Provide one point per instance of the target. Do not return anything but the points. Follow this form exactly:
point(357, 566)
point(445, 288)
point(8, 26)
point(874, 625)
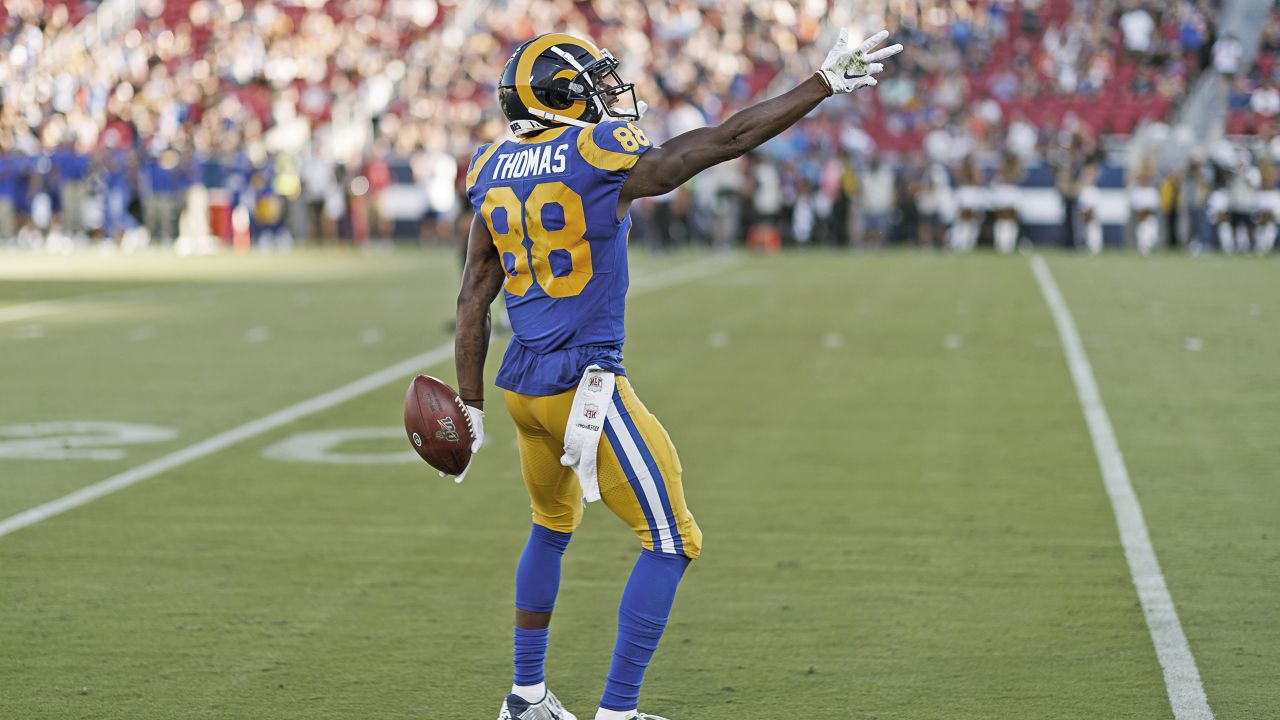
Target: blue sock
point(531, 652)
point(642, 617)
point(537, 582)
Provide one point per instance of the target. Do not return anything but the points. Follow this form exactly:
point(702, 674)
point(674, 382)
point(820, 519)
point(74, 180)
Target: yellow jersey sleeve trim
point(603, 158)
point(474, 173)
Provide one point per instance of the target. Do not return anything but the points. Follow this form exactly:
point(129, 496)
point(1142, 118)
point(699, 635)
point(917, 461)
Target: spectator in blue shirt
point(163, 182)
point(13, 187)
point(69, 188)
point(119, 176)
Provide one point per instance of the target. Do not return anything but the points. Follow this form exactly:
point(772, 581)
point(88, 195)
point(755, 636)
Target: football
point(437, 425)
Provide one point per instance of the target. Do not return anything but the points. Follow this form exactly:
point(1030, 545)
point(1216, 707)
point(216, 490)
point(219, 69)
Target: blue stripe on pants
point(633, 481)
point(656, 473)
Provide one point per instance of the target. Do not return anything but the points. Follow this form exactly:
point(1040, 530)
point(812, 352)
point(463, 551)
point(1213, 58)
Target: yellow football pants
point(638, 470)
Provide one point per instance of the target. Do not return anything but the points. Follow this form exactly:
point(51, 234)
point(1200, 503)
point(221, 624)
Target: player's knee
point(560, 519)
point(687, 543)
point(692, 537)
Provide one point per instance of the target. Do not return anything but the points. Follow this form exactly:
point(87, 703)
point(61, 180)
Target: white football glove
point(848, 68)
point(475, 421)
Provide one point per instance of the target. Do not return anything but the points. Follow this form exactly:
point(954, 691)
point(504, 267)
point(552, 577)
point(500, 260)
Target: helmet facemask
point(615, 98)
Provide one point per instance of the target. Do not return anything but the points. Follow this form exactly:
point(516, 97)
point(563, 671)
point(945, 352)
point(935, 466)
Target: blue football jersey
point(550, 202)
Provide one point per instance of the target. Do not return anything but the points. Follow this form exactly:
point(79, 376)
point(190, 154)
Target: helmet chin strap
point(557, 118)
point(528, 126)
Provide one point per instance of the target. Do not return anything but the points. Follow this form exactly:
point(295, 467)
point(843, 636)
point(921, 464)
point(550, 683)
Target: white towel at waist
point(591, 402)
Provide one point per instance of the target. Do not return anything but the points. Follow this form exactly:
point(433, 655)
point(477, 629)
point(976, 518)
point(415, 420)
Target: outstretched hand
point(848, 68)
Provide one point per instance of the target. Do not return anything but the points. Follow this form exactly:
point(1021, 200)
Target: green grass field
point(903, 511)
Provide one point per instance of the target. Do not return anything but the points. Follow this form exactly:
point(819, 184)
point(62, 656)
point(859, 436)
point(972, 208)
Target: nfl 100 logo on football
point(448, 431)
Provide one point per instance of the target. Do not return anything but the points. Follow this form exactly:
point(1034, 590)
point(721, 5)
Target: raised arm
point(665, 168)
point(481, 280)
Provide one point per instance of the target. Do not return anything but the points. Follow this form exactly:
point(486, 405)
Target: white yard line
point(226, 439)
point(683, 273)
point(1181, 678)
point(26, 311)
point(293, 413)
point(41, 308)
point(165, 291)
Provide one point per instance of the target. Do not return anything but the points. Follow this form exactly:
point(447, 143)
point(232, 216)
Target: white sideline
point(1181, 678)
point(293, 413)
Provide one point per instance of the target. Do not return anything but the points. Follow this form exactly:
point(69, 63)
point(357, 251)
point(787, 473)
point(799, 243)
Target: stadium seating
point(250, 84)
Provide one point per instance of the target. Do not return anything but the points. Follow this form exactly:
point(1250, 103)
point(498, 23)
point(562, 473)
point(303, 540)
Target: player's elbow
point(471, 308)
point(472, 321)
point(738, 141)
point(736, 151)
point(740, 144)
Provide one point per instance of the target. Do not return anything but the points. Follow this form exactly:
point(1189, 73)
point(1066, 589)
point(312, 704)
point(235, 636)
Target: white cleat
point(517, 708)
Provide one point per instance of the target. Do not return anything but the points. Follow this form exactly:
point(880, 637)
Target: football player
point(1004, 201)
point(1268, 206)
point(550, 231)
point(971, 198)
point(1088, 204)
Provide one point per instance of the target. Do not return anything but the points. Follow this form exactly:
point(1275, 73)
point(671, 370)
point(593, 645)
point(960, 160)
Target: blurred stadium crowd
point(259, 122)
